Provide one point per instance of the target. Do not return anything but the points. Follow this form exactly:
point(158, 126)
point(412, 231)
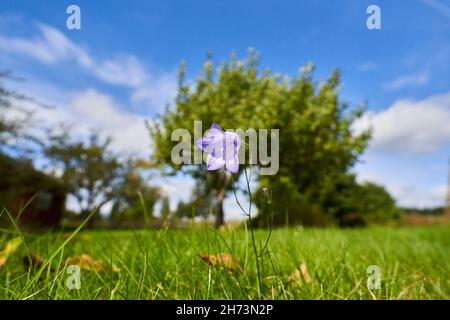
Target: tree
point(235, 97)
point(199, 205)
point(20, 182)
point(11, 128)
point(374, 204)
point(92, 173)
point(317, 145)
point(135, 198)
point(317, 150)
point(183, 210)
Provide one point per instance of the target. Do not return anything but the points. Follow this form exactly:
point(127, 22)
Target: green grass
point(164, 264)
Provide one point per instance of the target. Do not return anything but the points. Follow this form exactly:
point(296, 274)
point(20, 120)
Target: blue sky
point(125, 57)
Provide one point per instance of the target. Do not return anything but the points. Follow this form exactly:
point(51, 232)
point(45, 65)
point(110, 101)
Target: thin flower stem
point(269, 202)
point(237, 200)
point(252, 232)
point(270, 232)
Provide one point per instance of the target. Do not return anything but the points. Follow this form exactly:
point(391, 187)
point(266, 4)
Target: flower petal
point(213, 163)
point(233, 139)
point(211, 142)
point(222, 148)
point(216, 129)
point(203, 143)
point(232, 165)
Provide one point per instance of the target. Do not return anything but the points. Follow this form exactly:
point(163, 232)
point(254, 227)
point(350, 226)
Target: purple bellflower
point(222, 148)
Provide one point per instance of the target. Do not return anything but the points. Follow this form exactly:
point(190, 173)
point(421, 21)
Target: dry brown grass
point(414, 219)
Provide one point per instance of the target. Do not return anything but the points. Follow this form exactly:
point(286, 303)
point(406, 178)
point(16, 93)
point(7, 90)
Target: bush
point(340, 201)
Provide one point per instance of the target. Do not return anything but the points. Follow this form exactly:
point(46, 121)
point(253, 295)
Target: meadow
point(186, 264)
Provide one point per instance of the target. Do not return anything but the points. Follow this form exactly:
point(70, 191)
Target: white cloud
point(410, 126)
point(51, 46)
point(438, 7)
point(124, 70)
point(367, 66)
point(413, 196)
point(409, 188)
point(407, 153)
point(177, 188)
point(91, 110)
point(409, 80)
point(96, 110)
point(157, 92)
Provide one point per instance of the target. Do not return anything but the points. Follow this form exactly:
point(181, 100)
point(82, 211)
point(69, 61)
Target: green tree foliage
point(345, 203)
point(317, 149)
point(183, 210)
point(374, 204)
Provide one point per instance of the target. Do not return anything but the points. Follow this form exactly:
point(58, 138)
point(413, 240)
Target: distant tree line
point(86, 169)
point(425, 211)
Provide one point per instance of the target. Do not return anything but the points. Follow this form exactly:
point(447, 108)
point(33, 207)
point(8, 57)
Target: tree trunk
point(221, 183)
point(219, 213)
